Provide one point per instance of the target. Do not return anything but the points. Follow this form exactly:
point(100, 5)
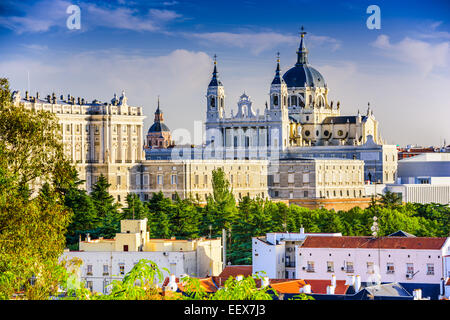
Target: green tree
point(135, 208)
point(159, 211)
point(33, 218)
point(220, 210)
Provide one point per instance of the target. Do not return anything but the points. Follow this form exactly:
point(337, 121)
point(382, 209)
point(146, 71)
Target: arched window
point(275, 100)
point(213, 102)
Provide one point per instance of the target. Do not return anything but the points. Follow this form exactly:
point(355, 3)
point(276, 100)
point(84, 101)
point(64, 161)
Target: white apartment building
point(414, 262)
point(105, 260)
point(274, 254)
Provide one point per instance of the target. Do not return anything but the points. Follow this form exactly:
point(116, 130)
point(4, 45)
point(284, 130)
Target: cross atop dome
point(302, 53)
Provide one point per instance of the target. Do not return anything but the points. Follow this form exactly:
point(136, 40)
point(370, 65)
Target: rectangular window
point(430, 268)
point(349, 267)
point(118, 180)
point(105, 270)
point(330, 266)
point(290, 178)
point(160, 179)
point(125, 247)
point(89, 270)
point(306, 178)
point(310, 266)
point(174, 179)
point(106, 289)
point(145, 180)
point(370, 268)
point(90, 285)
point(390, 267)
point(276, 178)
point(409, 268)
point(196, 179)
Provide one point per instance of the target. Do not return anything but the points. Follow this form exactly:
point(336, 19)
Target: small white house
point(105, 260)
point(274, 254)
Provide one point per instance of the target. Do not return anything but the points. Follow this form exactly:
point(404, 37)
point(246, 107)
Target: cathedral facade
point(299, 114)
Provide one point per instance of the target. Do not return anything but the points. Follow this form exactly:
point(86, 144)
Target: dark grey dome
point(158, 127)
point(300, 74)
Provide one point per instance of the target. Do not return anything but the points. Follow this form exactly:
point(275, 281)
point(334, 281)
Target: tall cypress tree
point(106, 207)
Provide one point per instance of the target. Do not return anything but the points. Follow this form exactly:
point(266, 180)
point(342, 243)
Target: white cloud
point(180, 78)
point(423, 55)
point(261, 41)
point(46, 14)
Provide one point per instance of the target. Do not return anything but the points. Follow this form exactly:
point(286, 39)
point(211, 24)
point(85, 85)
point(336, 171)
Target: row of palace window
point(349, 267)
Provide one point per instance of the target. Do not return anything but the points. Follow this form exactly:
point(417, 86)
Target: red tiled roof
point(233, 271)
point(320, 286)
point(448, 282)
point(207, 283)
point(287, 286)
point(371, 243)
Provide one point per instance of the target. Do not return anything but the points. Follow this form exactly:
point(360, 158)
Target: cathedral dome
point(302, 74)
point(158, 127)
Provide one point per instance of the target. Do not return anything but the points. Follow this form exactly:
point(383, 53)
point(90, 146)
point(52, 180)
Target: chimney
point(265, 282)
point(350, 281)
point(79, 100)
point(37, 95)
point(330, 289)
point(302, 230)
point(306, 289)
point(417, 294)
point(358, 283)
point(333, 280)
point(27, 96)
point(172, 285)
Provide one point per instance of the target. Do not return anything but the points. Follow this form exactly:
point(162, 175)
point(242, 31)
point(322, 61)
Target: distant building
point(298, 121)
point(275, 253)
point(105, 260)
point(193, 178)
point(412, 151)
point(100, 138)
point(158, 136)
point(316, 179)
point(423, 178)
point(413, 262)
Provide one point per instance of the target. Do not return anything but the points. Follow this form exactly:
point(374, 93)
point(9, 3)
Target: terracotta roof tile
point(371, 243)
point(233, 271)
point(320, 286)
point(289, 286)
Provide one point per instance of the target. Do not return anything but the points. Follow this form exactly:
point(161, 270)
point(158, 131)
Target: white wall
point(380, 258)
point(266, 257)
point(177, 263)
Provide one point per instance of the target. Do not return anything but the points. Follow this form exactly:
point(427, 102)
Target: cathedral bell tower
point(215, 97)
point(278, 113)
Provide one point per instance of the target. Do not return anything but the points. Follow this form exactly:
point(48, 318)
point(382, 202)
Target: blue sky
point(151, 48)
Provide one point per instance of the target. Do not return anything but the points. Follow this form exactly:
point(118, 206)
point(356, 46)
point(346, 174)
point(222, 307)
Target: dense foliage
point(33, 217)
